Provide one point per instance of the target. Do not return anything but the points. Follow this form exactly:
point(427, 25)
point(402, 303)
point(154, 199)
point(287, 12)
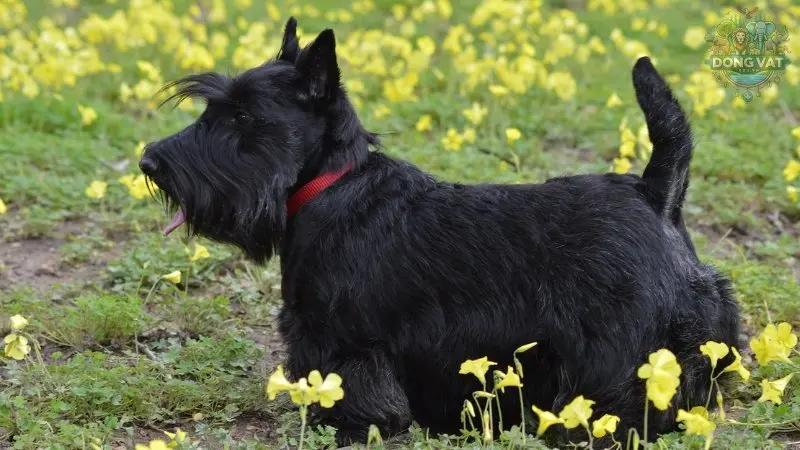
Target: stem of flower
point(488, 422)
point(188, 274)
point(303, 410)
point(39, 359)
point(499, 410)
point(710, 390)
point(646, 409)
point(591, 437)
point(139, 286)
point(522, 416)
point(471, 423)
point(633, 440)
point(150, 292)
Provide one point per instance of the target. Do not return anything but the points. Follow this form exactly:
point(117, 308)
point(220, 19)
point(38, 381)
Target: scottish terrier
point(392, 278)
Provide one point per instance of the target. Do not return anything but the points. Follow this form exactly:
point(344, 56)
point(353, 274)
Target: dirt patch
point(259, 428)
point(141, 435)
point(37, 262)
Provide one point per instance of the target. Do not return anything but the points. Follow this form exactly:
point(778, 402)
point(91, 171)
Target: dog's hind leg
point(372, 396)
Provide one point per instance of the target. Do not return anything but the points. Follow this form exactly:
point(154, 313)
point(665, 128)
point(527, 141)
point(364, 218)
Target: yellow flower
point(96, 189)
point(613, 101)
point(200, 252)
point(774, 343)
point(772, 390)
point(796, 132)
point(424, 123)
point(477, 367)
point(401, 89)
point(563, 84)
point(663, 377)
point(627, 148)
point(622, 165)
point(715, 351)
point(374, 436)
point(738, 102)
point(597, 45)
point(469, 135)
point(791, 192)
point(174, 277)
point(452, 141)
point(278, 383)
point(137, 185)
point(498, 90)
point(18, 322)
point(467, 409)
point(382, 111)
point(769, 94)
point(16, 346)
point(3, 207)
point(694, 37)
point(546, 419)
point(328, 390)
point(577, 412)
point(604, 425)
point(88, 115)
point(512, 135)
point(483, 394)
point(697, 423)
point(476, 113)
point(303, 394)
point(525, 348)
point(508, 379)
point(176, 438)
point(792, 170)
point(125, 92)
point(736, 366)
point(488, 436)
point(426, 45)
point(157, 444)
point(785, 335)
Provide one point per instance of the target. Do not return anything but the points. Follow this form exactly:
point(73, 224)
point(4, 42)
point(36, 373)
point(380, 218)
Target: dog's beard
point(207, 200)
point(253, 221)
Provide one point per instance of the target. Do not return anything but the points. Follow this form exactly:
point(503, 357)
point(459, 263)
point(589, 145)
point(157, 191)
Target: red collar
point(313, 188)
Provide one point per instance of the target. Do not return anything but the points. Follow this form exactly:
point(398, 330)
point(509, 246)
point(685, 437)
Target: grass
point(126, 354)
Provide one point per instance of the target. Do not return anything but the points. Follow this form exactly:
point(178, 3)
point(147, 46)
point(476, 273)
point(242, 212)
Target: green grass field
point(119, 354)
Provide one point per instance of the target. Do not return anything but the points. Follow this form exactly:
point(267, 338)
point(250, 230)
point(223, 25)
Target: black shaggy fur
point(392, 278)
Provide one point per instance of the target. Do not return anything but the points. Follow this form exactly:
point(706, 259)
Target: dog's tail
point(666, 176)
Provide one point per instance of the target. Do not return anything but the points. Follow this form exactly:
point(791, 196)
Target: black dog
point(392, 278)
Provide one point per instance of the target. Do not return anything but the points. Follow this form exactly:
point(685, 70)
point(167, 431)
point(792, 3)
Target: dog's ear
point(317, 63)
point(290, 45)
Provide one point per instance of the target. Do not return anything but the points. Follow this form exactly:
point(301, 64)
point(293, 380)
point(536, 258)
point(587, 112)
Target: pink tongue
point(177, 221)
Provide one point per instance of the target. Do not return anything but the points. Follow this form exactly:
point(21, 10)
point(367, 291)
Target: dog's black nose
point(148, 165)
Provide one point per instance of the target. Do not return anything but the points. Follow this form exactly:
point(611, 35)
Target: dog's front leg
point(372, 396)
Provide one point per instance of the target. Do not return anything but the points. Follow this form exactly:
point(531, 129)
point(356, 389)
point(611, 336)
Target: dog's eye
point(243, 118)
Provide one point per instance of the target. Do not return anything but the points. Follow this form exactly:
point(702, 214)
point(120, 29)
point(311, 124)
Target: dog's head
point(263, 133)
